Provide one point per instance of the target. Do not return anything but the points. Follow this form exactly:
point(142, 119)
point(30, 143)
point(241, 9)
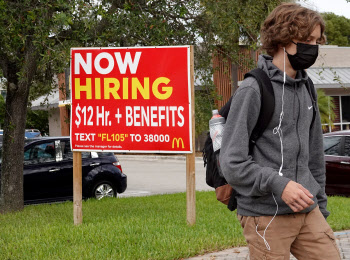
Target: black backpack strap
point(267, 104)
point(226, 108)
point(312, 92)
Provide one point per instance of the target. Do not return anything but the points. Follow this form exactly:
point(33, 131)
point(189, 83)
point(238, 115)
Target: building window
point(345, 109)
point(342, 114)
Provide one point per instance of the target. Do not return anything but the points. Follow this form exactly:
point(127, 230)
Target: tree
point(38, 119)
point(35, 44)
point(27, 55)
point(2, 111)
point(337, 29)
point(37, 37)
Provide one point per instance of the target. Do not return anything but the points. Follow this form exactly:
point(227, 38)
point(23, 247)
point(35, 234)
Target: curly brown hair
point(286, 22)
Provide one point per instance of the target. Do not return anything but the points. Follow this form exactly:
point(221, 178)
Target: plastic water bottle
point(216, 127)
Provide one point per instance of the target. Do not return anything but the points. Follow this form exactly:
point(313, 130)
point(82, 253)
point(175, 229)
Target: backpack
point(214, 178)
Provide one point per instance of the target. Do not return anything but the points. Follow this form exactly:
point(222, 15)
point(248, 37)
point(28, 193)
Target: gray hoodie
point(255, 177)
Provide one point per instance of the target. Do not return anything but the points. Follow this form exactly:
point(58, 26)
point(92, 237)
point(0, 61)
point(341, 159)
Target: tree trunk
point(11, 192)
point(11, 198)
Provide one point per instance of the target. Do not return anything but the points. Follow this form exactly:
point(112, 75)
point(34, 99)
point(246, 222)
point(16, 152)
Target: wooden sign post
point(77, 189)
point(191, 158)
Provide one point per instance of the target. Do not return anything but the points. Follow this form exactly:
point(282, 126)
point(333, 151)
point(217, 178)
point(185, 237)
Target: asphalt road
point(149, 174)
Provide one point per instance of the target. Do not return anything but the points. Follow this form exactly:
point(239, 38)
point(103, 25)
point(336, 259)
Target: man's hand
point(296, 196)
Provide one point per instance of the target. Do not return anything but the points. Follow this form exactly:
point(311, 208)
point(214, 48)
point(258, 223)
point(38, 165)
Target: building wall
point(342, 114)
point(333, 56)
point(228, 73)
point(64, 95)
point(54, 122)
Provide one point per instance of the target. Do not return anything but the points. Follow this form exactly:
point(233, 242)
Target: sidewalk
point(241, 253)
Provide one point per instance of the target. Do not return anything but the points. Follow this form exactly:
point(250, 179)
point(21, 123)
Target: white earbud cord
point(263, 236)
point(277, 130)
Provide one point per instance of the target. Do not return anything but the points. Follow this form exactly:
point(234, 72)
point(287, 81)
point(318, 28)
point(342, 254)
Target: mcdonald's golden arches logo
point(177, 140)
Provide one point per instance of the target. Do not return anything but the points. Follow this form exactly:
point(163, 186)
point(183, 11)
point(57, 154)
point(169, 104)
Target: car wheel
point(104, 189)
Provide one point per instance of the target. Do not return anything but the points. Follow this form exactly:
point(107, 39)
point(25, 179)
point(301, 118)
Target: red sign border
point(189, 101)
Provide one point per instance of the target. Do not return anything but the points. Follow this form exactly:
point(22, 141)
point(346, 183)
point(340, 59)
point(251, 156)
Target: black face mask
point(305, 57)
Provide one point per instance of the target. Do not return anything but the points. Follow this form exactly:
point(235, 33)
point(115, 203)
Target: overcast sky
point(339, 7)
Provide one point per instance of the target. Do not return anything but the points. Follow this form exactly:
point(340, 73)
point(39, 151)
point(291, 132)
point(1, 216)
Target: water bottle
point(216, 127)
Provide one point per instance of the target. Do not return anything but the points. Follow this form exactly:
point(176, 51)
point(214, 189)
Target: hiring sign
point(131, 99)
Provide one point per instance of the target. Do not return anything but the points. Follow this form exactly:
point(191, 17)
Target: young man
point(282, 205)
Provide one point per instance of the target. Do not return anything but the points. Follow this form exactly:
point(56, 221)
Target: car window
point(39, 153)
point(347, 146)
point(68, 154)
point(85, 155)
point(105, 154)
point(331, 145)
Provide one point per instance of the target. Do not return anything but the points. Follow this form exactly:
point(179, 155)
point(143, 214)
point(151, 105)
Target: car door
point(66, 168)
point(89, 162)
point(64, 157)
point(341, 179)
point(39, 170)
point(333, 158)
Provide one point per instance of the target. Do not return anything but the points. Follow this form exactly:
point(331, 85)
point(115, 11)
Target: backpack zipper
point(299, 142)
point(294, 102)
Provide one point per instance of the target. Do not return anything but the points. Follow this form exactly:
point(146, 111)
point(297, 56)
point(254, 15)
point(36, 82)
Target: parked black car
point(337, 157)
point(48, 171)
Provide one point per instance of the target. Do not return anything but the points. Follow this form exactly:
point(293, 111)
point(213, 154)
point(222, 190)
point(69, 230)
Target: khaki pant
point(305, 235)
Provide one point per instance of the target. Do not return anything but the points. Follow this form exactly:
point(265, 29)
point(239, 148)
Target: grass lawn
point(151, 227)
